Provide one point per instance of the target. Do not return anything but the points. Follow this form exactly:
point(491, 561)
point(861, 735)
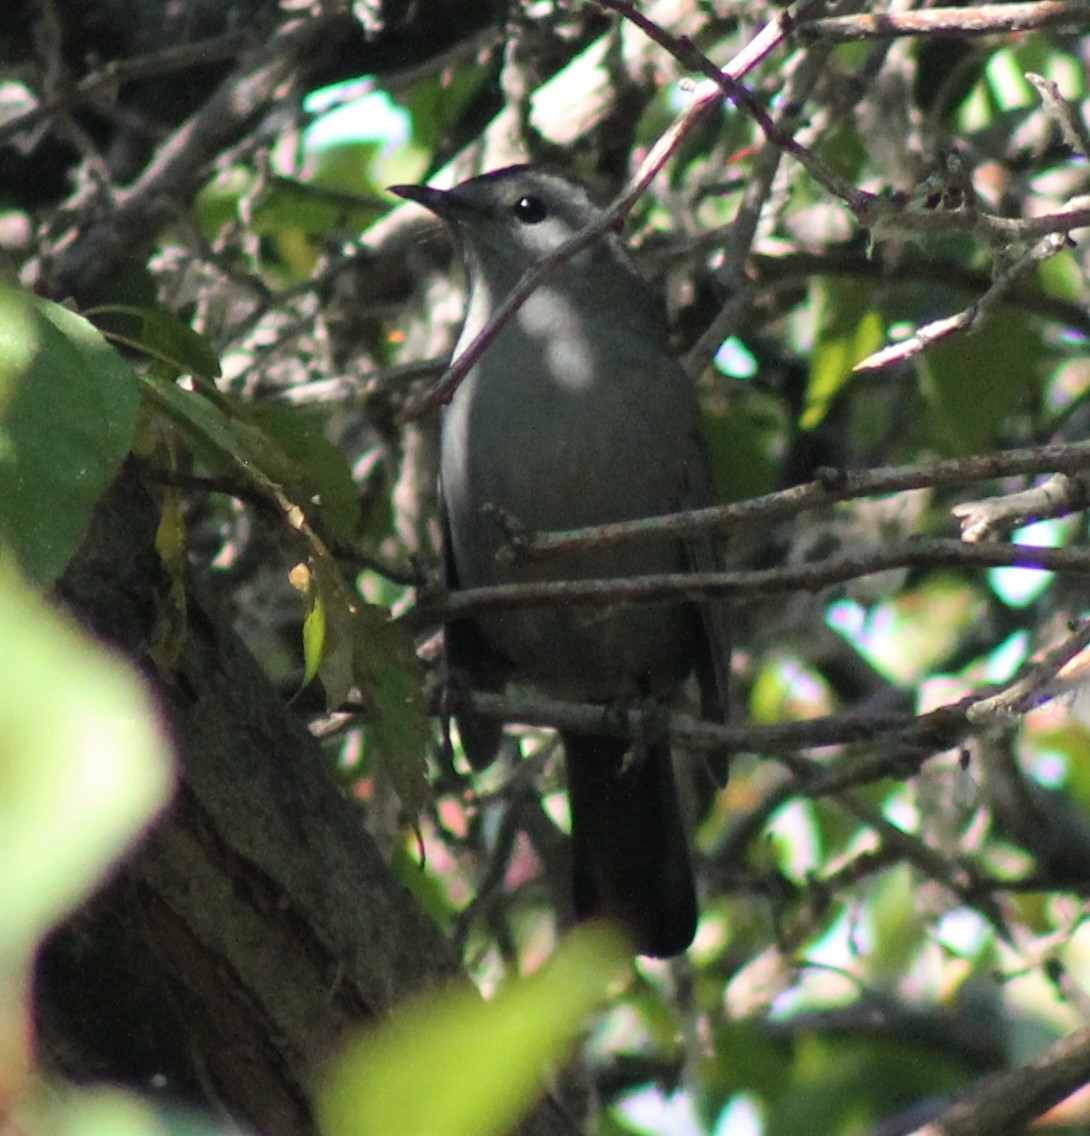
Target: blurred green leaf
point(271, 207)
point(1071, 738)
point(906, 636)
point(84, 765)
point(847, 1083)
point(898, 924)
point(1062, 277)
point(974, 381)
point(437, 101)
point(314, 638)
point(849, 330)
point(742, 447)
point(427, 887)
point(102, 1111)
point(456, 1065)
point(67, 419)
point(748, 1058)
point(18, 342)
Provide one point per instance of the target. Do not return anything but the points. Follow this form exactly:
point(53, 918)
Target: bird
point(577, 414)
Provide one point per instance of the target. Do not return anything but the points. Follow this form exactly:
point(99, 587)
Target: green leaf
point(897, 923)
point(363, 646)
point(359, 643)
point(741, 447)
point(282, 205)
point(67, 418)
point(163, 336)
point(747, 1059)
point(390, 675)
point(84, 765)
point(850, 330)
point(458, 1065)
point(313, 635)
point(107, 1111)
point(320, 468)
point(972, 382)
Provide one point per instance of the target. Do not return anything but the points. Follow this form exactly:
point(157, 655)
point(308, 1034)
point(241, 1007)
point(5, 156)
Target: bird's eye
point(530, 210)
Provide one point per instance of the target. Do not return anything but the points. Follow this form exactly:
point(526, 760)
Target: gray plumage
point(578, 415)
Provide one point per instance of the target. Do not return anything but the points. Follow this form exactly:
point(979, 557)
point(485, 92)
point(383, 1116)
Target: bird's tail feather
point(629, 847)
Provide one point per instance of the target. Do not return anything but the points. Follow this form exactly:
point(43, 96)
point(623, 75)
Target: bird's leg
point(652, 726)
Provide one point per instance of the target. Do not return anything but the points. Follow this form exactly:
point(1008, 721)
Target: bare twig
point(970, 318)
point(907, 740)
point(977, 19)
point(1062, 113)
point(741, 233)
point(107, 78)
point(1007, 1102)
point(1038, 683)
point(1059, 496)
point(833, 485)
point(726, 82)
point(803, 266)
point(924, 553)
point(888, 216)
point(84, 261)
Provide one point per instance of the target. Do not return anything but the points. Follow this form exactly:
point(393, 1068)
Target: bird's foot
point(645, 720)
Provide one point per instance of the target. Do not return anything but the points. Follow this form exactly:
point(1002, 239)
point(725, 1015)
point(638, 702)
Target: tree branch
point(1007, 1102)
point(833, 485)
point(83, 262)
point(979, 19)
point(922, 553)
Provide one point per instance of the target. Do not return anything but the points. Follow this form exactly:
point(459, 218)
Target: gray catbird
point(578, 415)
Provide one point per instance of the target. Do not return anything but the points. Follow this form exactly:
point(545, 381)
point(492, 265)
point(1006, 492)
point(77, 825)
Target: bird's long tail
point(629, 847)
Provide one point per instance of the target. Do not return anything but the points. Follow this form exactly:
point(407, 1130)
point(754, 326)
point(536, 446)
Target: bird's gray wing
point(470, 663)
point(704, 554)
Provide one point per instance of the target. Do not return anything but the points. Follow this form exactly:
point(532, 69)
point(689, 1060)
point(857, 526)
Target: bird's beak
point(440, 201)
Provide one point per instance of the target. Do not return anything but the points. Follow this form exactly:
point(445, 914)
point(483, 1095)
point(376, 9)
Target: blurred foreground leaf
point(83, 768)
point(455, 1065)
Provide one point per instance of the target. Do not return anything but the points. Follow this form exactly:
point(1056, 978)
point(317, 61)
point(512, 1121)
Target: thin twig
point(611, 592)
point(107, 78)
point(976, 19)
point(907, 740)
point(1038, 683)
point(180, 166)
point(968, 319)
point(831, 486)
point(726, 82)
point(1059, 496)
point(1062, 113)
